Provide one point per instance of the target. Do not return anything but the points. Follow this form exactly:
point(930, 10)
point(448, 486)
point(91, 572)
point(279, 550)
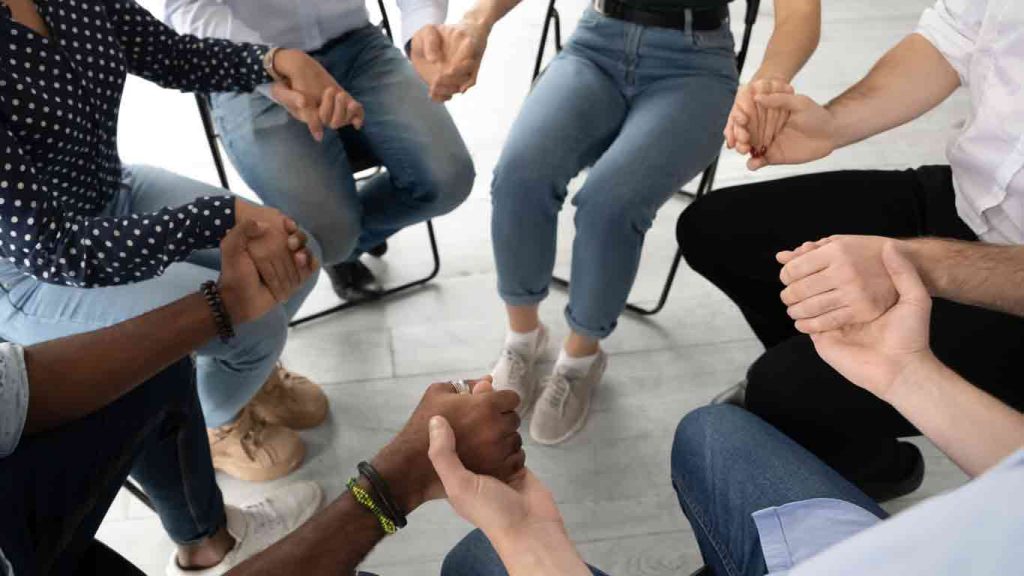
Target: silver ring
point(461, 386)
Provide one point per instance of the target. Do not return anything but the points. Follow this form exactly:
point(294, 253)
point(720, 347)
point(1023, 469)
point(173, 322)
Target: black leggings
point(731, 237)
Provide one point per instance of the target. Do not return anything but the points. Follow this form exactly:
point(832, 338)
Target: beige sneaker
point(515, 370)
point(288, 399)
point(251, 449)
point(564, 403)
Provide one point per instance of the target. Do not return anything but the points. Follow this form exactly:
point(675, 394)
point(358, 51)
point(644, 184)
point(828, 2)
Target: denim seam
point(700, 517)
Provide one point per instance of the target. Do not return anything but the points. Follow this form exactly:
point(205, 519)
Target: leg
point(570, 117)
point(474, 556)
point(672, 132)
point(54, 514)
point(732, 235)
point(851, 429)
point(429, 170)
point(308, 180)
point(716, 452)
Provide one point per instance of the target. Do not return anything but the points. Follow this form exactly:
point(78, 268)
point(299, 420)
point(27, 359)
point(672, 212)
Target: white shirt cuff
point(413, 20)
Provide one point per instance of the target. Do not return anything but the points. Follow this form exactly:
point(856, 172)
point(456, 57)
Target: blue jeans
point(56, 487)
point(429, 170)
point(229, 375)
point(726, 465)
point(645, 108)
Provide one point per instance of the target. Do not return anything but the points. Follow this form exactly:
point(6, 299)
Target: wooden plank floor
point(374, 361)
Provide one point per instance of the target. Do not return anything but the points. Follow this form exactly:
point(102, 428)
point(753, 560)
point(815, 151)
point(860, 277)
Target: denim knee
point(473, 556)
point(451, 184)
point(704, 433)
point(337, 235)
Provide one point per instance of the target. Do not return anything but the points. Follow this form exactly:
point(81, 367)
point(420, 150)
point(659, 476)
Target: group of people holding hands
point(141, 308)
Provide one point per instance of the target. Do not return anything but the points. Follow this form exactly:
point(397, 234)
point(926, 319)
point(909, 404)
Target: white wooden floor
point(374, 361)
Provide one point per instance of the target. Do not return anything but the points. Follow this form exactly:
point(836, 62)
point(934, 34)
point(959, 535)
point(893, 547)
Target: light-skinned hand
point(835, 282)
point(245, 295)
point(312, 96)
point(807, 134)
point(752, 128)
point(448, 57)
point(874, 354)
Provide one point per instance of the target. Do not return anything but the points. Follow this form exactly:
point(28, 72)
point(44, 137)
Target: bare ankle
point(579, 346)
point(206, 553)
point(523, 319)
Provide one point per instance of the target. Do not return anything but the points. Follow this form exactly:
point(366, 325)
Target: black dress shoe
point(904, 479)
point(353, 281)
point(379, 250)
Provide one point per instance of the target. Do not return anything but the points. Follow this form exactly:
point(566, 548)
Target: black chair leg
point(211, 140)
point(134, 489)
point(550, 16)
point(390, 292)
point(669, 281)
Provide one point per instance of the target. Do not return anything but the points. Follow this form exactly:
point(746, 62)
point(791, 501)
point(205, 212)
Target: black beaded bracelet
point(383, 494)
point(225, 328)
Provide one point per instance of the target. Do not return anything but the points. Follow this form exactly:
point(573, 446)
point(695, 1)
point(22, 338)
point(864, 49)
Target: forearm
point(543, 551)
point(911, 79)
point(75, 376)
point(794, 39)
point(487, 12)
point(974, 273)
point(334, 541)
point(970, 426)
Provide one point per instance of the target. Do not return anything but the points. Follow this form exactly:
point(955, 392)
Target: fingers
point(816, 305)
point(505, 400)
point(786, 256)
point(903, 274)
point(782, 100)
point(803, 289)
point(512, 421)
point(325, 112)
point(297, 241)
point(481, 385)
point(432, 44)
point(234, 242)
point(442, 454)
point(356, 113)
point(826, 322)
point(809, 263)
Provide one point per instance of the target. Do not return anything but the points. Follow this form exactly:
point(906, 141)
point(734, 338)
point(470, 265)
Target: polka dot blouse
point(59, 166)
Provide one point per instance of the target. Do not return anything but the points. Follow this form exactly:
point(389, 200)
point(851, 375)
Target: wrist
point(538, 549)
point(478, 20)
point(403, 471)
point(918, 368)
point(921, 252)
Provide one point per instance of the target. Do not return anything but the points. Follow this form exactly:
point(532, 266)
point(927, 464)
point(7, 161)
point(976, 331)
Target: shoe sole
point(263, 474)
point(532, 381)
point(583, 419)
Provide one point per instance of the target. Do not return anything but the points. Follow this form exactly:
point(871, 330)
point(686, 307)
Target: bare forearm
point(970, 426)
point(796, 35)
point(911, 79)
point(488, 12)
point(985, 275)
point(545, 551)
point(74, 376)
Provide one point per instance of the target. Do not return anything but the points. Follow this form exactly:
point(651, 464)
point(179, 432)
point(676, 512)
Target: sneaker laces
point(556, 391)
point(285, 377)
point(516, 365)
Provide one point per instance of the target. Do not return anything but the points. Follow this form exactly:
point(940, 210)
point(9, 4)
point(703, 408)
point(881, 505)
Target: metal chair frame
point(707, 178)
point(218, 161)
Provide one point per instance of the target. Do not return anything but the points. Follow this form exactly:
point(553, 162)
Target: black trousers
point(731, 237)
point(57, 486)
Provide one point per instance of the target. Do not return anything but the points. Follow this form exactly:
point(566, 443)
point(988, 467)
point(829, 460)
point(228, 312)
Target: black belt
point(701, 18)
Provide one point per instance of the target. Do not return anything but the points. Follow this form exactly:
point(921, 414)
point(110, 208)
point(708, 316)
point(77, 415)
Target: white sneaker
point(565, 402)
point(257, 525)
point(515, 371)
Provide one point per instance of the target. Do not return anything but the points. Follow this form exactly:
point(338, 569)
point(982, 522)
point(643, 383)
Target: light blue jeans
point(228, 375)
point(645, 108)
point(429, 171)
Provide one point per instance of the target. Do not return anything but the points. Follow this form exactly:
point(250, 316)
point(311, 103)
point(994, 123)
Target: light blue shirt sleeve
point(13, 397)
point(975, 529)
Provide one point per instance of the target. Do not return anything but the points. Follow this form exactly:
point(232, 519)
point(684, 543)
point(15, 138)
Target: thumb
point(432, 44)
point(790, 102)
point(481, 385)
point(903, 274)
point(253, 229)
point(445, 459)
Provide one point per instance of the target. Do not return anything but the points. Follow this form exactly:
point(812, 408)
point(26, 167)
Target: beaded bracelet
point(364, 498)
point(221, 318)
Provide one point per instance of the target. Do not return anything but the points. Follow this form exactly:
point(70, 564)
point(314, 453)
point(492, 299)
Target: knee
point(615, 210)
point(472, 556)
point(703, 436)
point(524, 179)
point(259, 343)
point(337, 237)
point(450, 184)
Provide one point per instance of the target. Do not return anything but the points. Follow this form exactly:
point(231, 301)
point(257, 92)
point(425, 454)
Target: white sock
point(576, 365)
point(524, 343)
